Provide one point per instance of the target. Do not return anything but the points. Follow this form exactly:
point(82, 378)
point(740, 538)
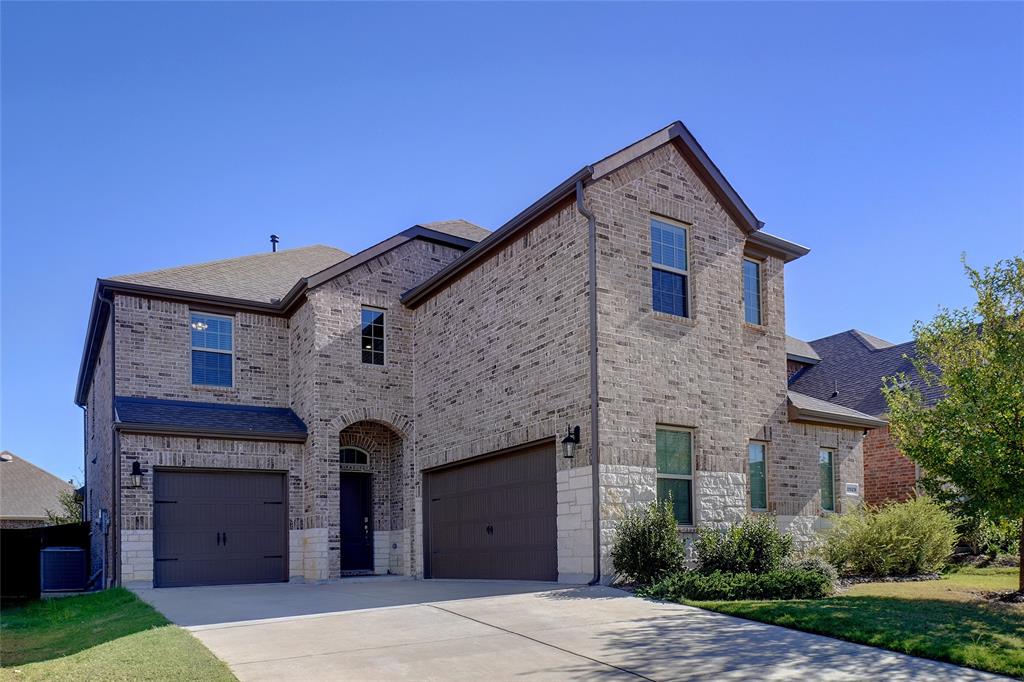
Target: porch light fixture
point(136, 474)
point(571, 440)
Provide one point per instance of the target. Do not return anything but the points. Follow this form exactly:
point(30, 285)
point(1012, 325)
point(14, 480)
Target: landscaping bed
point(109, 635)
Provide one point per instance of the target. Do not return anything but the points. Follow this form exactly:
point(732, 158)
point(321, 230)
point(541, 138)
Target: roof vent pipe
point(835, 390)
point(274, 239)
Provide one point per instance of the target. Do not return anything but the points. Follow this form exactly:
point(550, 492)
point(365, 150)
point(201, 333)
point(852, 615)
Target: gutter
point(595, 440)
point(199, 432)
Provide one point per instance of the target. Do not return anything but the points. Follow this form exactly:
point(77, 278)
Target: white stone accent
point(315, 555)
point(806, 530)
point(295, 555)
point(623, 487)
point(137, 556)
point(575, 525)
point(720, 498)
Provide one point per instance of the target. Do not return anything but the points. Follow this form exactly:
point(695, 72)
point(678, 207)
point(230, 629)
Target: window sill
point(677, 319)
point(759, 328)
point(686, 529)
point(214, 389)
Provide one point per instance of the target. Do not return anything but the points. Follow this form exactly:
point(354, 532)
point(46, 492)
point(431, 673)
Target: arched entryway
point(372, 504)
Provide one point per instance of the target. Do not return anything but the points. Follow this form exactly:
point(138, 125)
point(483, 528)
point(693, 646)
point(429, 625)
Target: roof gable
point(26, 491)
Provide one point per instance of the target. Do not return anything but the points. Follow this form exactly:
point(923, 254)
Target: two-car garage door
point(493, 518)
point(219, 527)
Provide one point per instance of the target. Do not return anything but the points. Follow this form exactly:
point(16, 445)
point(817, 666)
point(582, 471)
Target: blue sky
point(887, 137)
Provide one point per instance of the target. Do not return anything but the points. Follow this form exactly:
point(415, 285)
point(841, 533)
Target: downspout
point(595, 450)
point(115, 469)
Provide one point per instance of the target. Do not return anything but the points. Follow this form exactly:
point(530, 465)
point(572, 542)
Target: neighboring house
point(309, 414)
point(27, 493)
point(846, 370)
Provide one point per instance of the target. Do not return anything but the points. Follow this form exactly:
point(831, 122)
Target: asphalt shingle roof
point(459, 228)
point(209, 417)
point(264, 277)
point(851, 370)
point(806, 402)
point(26, 491)
point(800, 348)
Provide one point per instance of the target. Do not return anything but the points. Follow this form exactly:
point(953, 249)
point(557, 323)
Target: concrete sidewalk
point(433, 630)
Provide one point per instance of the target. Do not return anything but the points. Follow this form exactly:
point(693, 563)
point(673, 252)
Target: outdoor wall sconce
point(571, 440)
point(136, 474)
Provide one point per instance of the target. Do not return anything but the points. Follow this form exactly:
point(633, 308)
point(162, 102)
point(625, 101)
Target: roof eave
point(802, 358)
point(803, 414)
point(191, 431)
point(781, 248)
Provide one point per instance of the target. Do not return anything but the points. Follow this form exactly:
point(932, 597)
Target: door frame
point(425, 485)
point(156, 469)
point(369, 515)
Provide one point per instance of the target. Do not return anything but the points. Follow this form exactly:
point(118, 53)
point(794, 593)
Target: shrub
point(903, 538)
point(754, 545)
point(786, 583)
point(815, 565)
point(647, 545)
point(980, 535)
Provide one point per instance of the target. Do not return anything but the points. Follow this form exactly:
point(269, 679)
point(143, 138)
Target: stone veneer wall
point(166, 451)
point(154, 356)
point(502, 360)
point(711, 372)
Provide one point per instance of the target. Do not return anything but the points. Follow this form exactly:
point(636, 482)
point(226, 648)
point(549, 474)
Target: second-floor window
point(372, 339)
point(669, 269)
point(828, 496)
point(212, 350)
point(752, 291)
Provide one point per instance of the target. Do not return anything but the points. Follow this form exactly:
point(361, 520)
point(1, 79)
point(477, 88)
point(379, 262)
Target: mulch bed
point(849, 581)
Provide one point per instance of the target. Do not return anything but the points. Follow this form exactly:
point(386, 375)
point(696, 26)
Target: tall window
point(757, 463)
point(669, 268)
point(212, 349)
point(752, 291)
point(373, 336)
point(828, 496)
point(675, 471)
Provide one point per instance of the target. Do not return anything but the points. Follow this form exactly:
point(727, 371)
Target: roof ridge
point(218, 261)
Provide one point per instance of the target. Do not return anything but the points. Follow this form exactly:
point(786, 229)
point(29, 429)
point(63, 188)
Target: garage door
point(219, 528)
point(493, 518)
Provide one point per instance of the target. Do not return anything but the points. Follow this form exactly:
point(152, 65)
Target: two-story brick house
point(309, 414)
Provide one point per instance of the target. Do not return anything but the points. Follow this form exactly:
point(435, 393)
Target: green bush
point(903, 538)
point(754, 545)
point(786, 583)
point(980, 535)
point(814, 564)
point(647, 545)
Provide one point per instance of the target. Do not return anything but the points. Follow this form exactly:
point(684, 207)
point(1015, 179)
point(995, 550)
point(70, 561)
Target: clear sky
point(887, 137)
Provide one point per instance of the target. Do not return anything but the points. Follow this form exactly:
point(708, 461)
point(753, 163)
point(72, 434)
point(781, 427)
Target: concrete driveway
point(397, 629)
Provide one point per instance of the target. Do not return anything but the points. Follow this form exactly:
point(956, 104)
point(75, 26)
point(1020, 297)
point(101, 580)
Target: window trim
point(760, 291)
point(191, 348)
point(679, 477)
point(384, 336)
point(750, 487)
point(832, 466)
point(687, 289)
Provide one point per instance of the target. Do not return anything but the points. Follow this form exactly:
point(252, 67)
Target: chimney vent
point(274, 239)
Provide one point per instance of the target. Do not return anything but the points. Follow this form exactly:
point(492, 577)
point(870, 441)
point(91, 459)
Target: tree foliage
point(971, 443)
point(70, 509)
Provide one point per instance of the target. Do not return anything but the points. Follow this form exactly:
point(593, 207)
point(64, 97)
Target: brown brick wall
point(99, 458)
point(888, 474)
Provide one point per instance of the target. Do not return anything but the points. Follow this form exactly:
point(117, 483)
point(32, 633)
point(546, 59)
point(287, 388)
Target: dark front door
point(494, 518)
point(219, 528)
point(356, 522)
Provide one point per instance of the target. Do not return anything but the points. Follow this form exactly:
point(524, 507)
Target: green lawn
point(944, 619)
point(108, 635)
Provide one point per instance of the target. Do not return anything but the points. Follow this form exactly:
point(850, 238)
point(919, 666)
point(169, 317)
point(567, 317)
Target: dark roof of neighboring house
point(181, 417)
point(851, 370)
point(800, 351)
point(804, 408)
point(263, 277)
point(26, 491)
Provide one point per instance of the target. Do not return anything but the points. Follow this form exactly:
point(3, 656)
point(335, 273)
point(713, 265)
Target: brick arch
point(393, 420)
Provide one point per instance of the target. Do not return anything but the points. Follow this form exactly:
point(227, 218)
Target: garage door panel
point(216, 528)
point(494, 518)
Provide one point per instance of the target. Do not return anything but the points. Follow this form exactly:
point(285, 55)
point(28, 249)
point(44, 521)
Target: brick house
point(846, 369)
point(310, 414)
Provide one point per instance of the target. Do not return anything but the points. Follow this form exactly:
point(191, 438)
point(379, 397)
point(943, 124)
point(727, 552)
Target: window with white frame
point(372, 340)
point(828, 495)
point(669, 268)
point(674, 448)
point(212, 349)
point(757, 463)
point(752, 291)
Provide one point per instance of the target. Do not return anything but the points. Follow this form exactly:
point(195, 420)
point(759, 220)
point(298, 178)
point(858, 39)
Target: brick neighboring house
point(846, 369)
point(27, 493)
point(309, 414)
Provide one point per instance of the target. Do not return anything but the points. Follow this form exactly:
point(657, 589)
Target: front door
point(356, 524)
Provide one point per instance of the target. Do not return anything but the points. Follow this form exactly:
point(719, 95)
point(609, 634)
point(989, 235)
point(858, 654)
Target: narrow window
point(828, 498)
point(212, 350)
point(354, 456)
point(669, 269)
point(675, 471)
point(373, 336)
point(758, 476)
point(752, 291)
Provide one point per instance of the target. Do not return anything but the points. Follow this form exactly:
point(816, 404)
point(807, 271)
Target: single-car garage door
point(493, 518)
point(219, 528)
